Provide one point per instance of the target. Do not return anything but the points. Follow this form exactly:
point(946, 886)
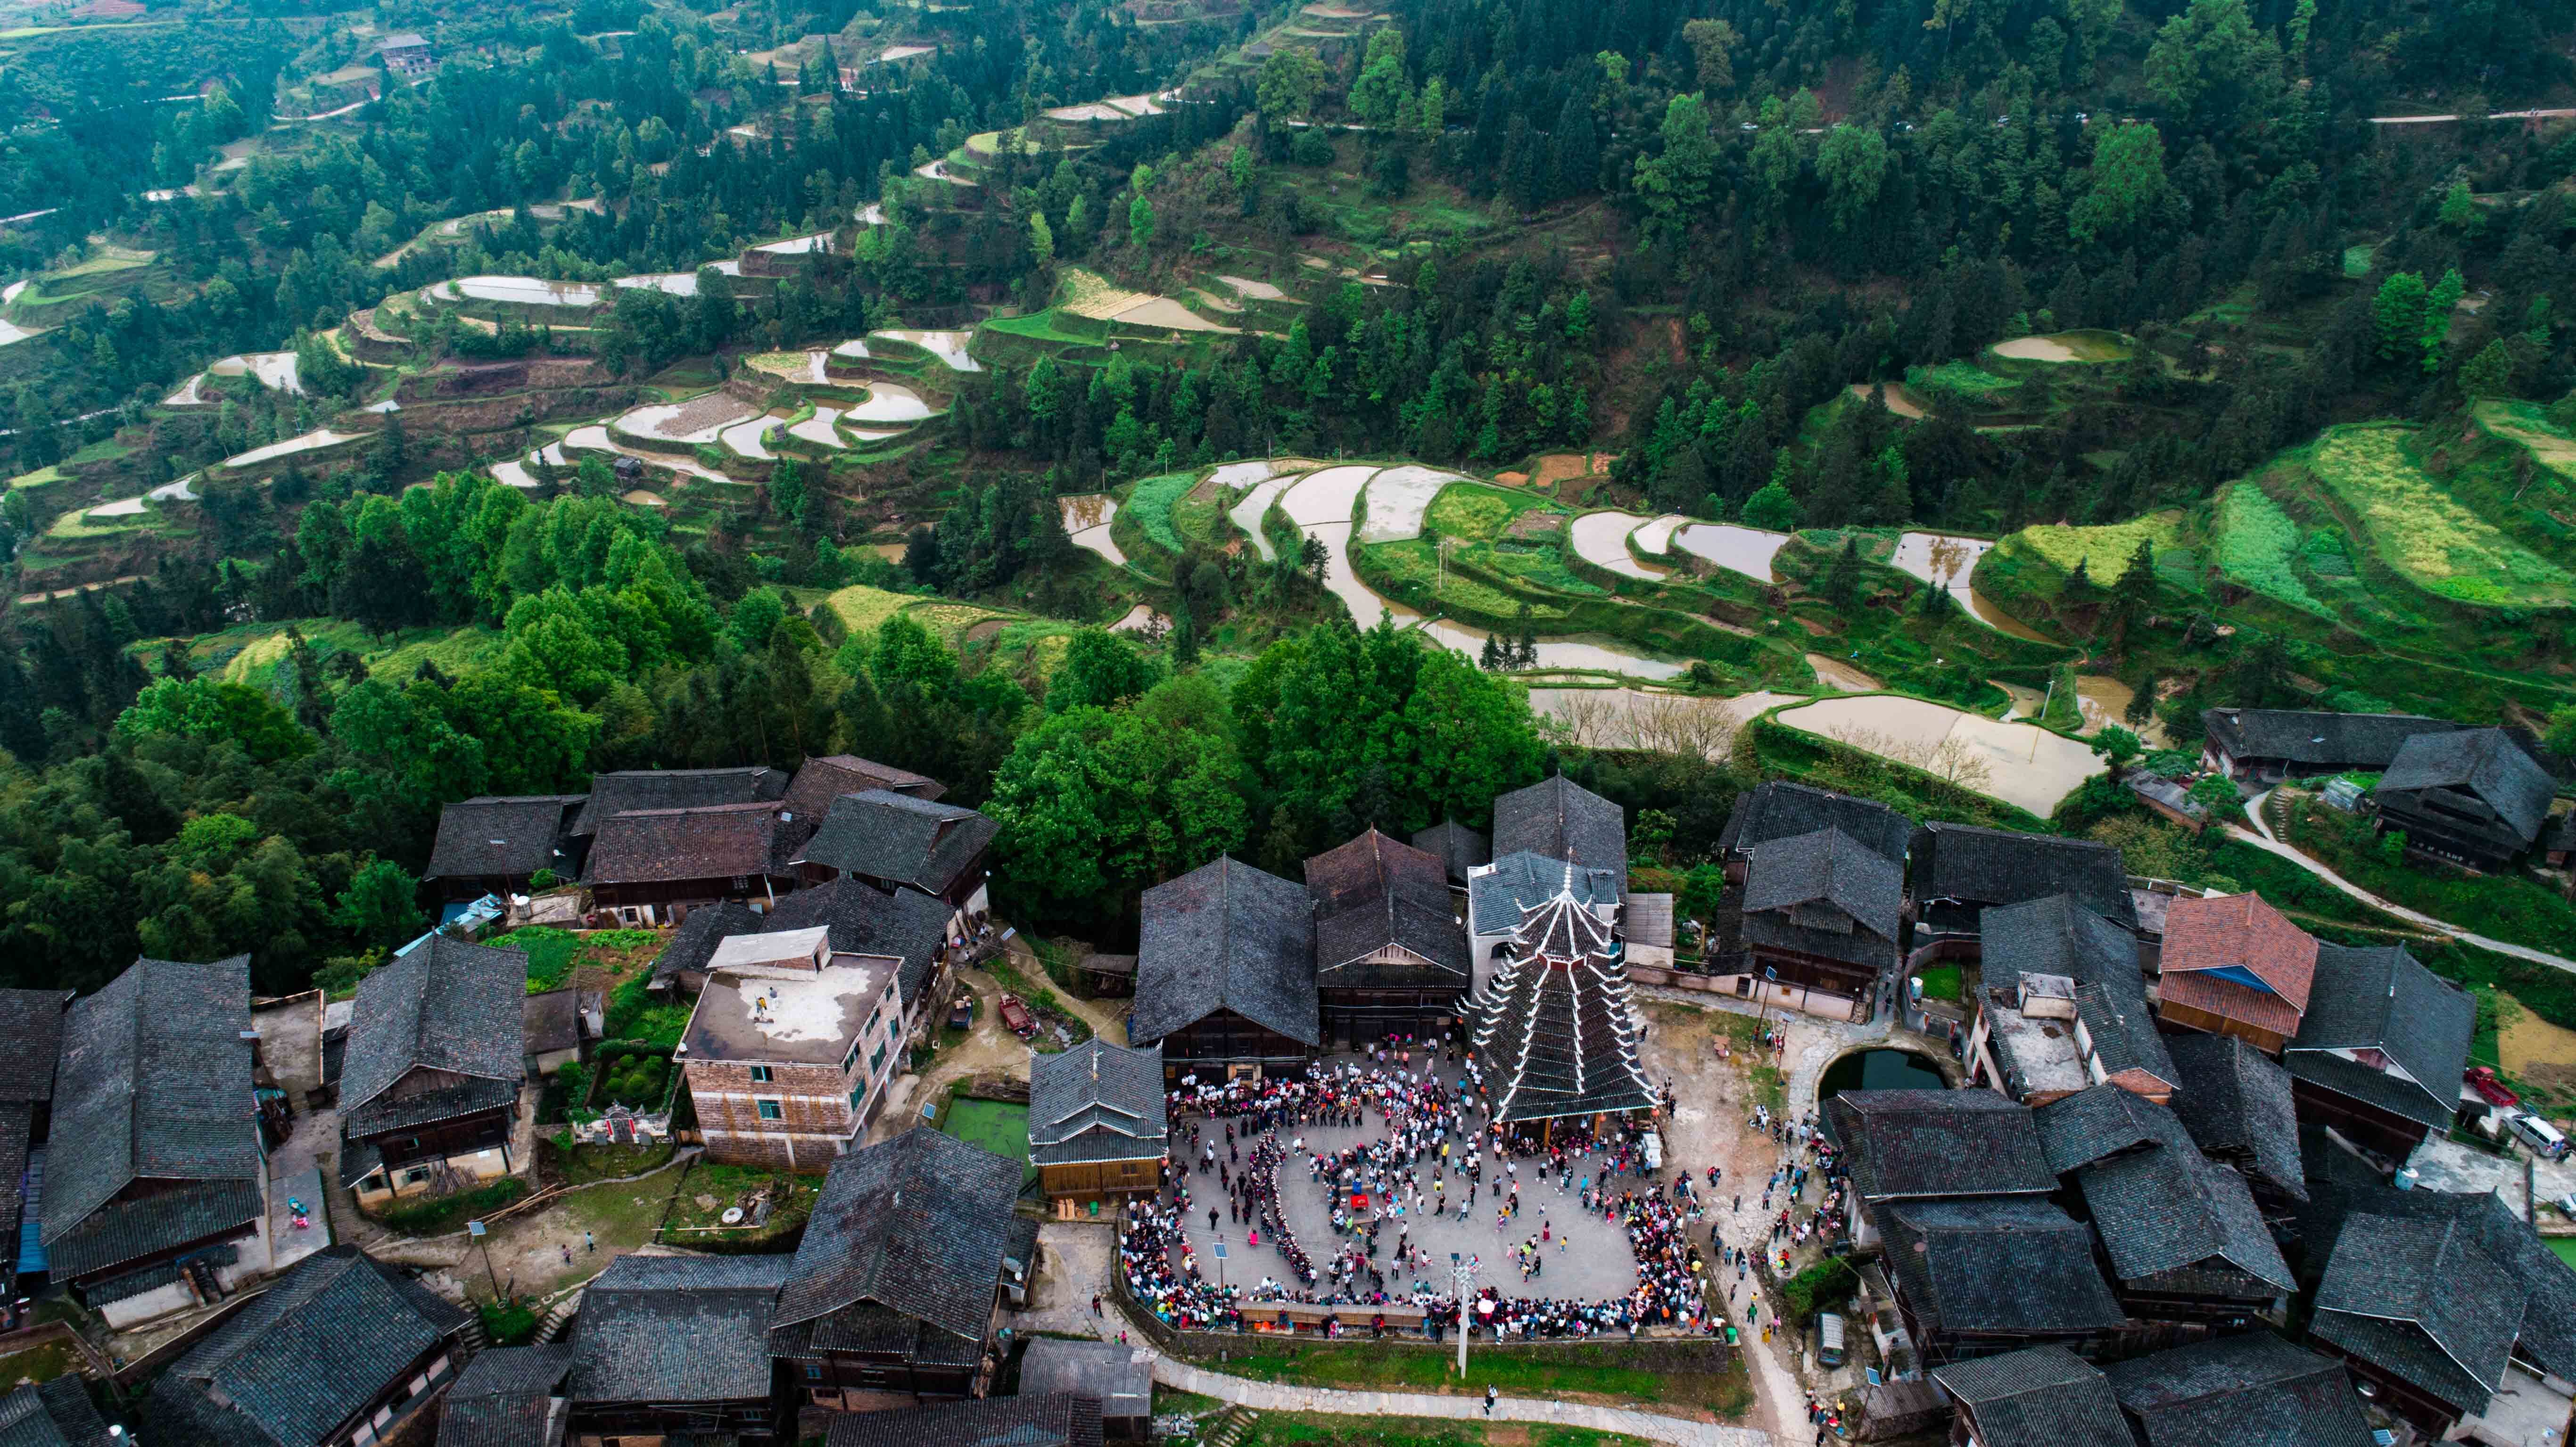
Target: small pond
point(1879, 1070)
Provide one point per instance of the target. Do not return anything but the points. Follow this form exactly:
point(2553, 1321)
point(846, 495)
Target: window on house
point(853, 1057)
point(415, 1175)
point(742, 881)
point(760, 1075)
point(770, 1110)
point(876, 1061)
point(813, 1372)
point(856, 1096)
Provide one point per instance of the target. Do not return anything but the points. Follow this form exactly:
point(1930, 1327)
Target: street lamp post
point(1462, 1273)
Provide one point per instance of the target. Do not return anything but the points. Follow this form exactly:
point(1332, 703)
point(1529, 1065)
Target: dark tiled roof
point(2223, 940)
point(614, 794)
point(2253, 1389)
point(1563, 820)
point(2092, 1125)
point(551, 1021)
point(1904, 1143)
point(1998, 1267)
point(695, 941)
point(1057, 1419)
point(898, 838)
point(2548, 1331)
point(2380, 998)
point(2420, 1298)
point(514, 836)
point(58, 1413)
point(1997, 866)
point(2235, 1100)
point(1226, 936)
point(449, 1007)
point(2483, 762)
point(818, 782)
point(917, 1224)
point(505, 1397)
point(1826, 867)
point(1780, 809)
point(1553, 1026)
point(2317, 740)
point(1497, 898)
point(906, 925)
point(1096, 1102)
point(676, 1329)
point(2037, 1397)
point(32, 1022)
point(2167, 1208)
point(155, 1082)
point(305, 1355)
point(1459, 847)
point(126, 1230)
point(656, 846)
point(2058, 935)
point(17, 1130)
point(1108, 1373)
point(1374, 892)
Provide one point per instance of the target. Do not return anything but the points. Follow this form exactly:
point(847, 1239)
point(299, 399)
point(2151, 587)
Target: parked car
point(1829, 1339)
point(2541, 1136)
point(2482, 1079)
point(1017, 1019)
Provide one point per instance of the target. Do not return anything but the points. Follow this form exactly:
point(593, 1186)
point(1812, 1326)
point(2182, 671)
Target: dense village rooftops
point(2372, 1005)
point(661, 846)
point(884, 835)
point(674, 1329)
point(502, 836)
point(810, 794)
point(2547, 1334)
point(1373, 893)
point(1458, 847)
point(2419, 1298)
point(1097, 1101)
point(2483, 762)
point(658, 789)
point(58, 1413)
point(507, 1397)
point(1498, 896)
point(1921, 1143)
point(2037, 1397)
point(1998, 1266)
point(454, 1010)
point(2238, 940)
point(2253, 1389)
point(2236, 1101)
point(1563, 820)
point(917, 1226)
point(1119, 1377)
point(906, 926)
point(300, 1359)
point(1780, 809)
point(2317, 740)
point(777, 1017)
point(1978, 866)
point(32, 1022)
point(1031, 1419)
point(1826, 867)
point(1226, 936)
point(154, 1084)
point(2164, 1208)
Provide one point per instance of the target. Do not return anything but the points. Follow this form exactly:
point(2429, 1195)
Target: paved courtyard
point(1587, 1258)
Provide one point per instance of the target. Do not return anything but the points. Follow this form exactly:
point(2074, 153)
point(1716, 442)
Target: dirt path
point(570, 1238)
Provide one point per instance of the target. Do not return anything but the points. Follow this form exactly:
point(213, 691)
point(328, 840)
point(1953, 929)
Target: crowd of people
point(1432, 1148)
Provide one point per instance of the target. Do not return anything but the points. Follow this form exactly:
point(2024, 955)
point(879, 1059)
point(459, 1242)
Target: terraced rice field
point(2418, 528)
point(1741, 549)
point(1601, 539)
point(948, 347)
point(310, 441)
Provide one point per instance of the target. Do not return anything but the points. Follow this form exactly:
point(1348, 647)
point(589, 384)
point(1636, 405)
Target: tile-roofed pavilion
point(57, 1413)
point(663, 789)
point(338, 1338)
point(1561, 819)
point(509, 1397)
point(1783, 808)
point(490, 844)
point(1458, 848)
point(1094, 1109)
point(154, 1085)
point(1553, 1027)
point(437, 1034)
point(2234, 965)
point(2418, 1300)
point(2473, 795)
point(1908, 1144)
point(891, 840)
point(2236, 1102)
point(1961, 869)
point(903, 1255)
point(1973, 1274)
point(672, 1343)
point(2044, 1396)
point(1031, 1419)
point(1225, 967)
point(2372, 1004)
point(2253, 1389)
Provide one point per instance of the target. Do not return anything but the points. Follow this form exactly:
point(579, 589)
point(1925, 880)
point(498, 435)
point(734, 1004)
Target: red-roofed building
point(2234, 965)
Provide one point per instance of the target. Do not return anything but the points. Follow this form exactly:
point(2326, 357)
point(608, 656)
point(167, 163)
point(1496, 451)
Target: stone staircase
point(552, 1328)
point(1229, 1427)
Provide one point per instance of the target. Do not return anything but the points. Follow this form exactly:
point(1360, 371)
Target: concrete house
point(790, 1047)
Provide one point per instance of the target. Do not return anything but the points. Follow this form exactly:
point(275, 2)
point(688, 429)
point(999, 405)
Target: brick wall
point(813, 1107)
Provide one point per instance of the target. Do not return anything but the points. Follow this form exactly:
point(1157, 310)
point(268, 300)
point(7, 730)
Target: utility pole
point(1462, 1272)
point(481, 1235)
